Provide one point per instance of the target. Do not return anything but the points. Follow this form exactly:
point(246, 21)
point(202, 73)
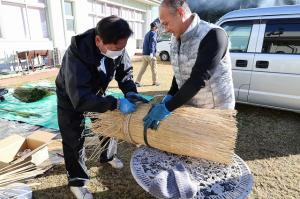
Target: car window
point(282, 37)
point(164, 36)
point(239, 33)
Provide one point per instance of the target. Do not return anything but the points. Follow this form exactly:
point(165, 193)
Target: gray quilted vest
point(218, 91)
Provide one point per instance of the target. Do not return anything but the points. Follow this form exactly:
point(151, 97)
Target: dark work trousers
point(71, 125)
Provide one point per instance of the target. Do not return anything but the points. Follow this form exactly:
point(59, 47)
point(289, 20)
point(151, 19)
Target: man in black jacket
point(92, 60)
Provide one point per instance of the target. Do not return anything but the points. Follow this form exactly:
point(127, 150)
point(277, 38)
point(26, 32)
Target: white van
point(265, 53)
point(163, 46)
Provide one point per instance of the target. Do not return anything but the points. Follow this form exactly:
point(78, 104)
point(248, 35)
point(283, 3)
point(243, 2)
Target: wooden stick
point(29, 167)
point(21, 177)
point(13, 166)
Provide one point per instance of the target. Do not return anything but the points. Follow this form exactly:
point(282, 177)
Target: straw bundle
point(199, 133)
point(31, 94)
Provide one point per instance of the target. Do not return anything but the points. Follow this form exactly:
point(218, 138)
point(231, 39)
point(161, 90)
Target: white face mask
point(113, 54)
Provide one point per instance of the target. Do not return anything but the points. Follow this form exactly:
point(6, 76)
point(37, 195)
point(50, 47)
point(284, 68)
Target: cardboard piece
point(9, 147)
point(36, 142)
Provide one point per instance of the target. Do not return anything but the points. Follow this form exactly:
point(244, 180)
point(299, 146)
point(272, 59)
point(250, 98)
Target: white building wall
point(60, 38)
point(84, 10)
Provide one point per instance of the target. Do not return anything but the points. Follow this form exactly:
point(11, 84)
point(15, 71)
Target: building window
point(282, 38)
point(164, 36)
point(69, 16)
point(139, 43)
point(30, 19)
point(36, 1)
point(18, 28)
point(96, 12)
point(37, 22)
point(136, 21)
point(99, 8)
point(135, 18)
point(112, 10)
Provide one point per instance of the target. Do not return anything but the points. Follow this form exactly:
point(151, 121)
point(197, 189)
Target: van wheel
point(164, 56)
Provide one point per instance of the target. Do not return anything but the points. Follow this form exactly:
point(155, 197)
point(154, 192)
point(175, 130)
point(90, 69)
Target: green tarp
point(41, 113)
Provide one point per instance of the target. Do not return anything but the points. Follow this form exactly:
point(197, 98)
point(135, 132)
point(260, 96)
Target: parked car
point(265, 55)
point(163, 46)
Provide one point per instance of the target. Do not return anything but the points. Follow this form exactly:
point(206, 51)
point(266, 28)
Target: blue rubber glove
point(167, 98)
point(126, 106)
point(134, 97)
point(157, 113)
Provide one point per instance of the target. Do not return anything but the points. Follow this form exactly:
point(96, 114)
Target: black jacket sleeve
point(77, 82)
point(211, 50)
point(124, 75)
point(174, 87)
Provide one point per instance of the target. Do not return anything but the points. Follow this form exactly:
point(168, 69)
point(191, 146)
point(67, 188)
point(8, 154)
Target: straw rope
point(126, 131)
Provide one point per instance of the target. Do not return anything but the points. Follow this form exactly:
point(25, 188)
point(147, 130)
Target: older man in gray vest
point(200, 60)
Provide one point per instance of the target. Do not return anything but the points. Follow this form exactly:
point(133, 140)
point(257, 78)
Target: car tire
point(164, 56)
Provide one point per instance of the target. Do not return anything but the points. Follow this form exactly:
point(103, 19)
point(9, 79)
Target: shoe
point(116, 163)
point(155, 84)
point(138, 84)
point(81, 192)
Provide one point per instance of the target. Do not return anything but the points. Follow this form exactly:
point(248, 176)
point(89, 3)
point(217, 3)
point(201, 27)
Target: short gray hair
point(174, 4)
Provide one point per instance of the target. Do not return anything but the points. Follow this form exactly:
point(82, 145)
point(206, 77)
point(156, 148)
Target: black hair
point(111, 29)
point(153, 25)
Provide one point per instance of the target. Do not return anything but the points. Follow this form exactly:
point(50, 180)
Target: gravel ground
point(268, 140)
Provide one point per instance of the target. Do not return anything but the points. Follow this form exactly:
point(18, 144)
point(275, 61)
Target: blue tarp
point(44, 110)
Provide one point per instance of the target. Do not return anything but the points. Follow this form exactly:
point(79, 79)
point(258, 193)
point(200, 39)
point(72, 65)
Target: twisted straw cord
point(126, 124)
point(126, 131)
